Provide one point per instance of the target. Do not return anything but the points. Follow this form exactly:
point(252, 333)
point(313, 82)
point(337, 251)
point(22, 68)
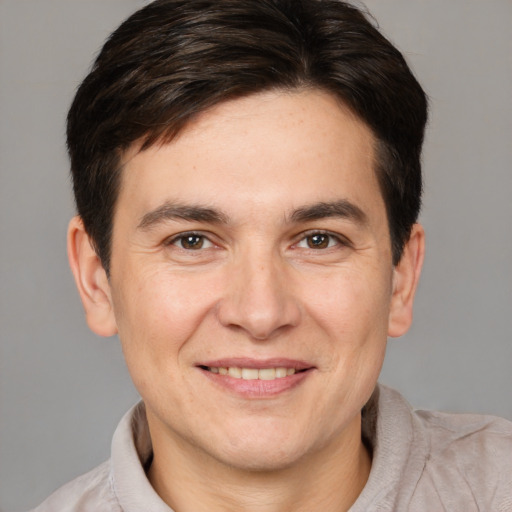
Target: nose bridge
point(259, 297)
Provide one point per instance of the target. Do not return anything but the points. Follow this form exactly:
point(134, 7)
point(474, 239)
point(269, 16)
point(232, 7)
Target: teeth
point(249, 373)
point(253, 373)
point(267, 374)
point(235, 372)
point(282, 372)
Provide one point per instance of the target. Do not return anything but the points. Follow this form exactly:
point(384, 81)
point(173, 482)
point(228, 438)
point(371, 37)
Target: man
point(247, 179)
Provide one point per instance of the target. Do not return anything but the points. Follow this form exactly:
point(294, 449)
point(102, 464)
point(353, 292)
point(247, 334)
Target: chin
point(260, 461)
point(263, 453)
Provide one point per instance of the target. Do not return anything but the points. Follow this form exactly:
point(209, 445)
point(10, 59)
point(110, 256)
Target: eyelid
point(341, 240)
point(171, 240)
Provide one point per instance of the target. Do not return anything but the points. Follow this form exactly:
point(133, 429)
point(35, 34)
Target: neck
point(330, 480)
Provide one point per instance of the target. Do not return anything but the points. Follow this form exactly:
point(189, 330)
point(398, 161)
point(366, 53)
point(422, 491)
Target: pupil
point(318, 241)
point(192, 242)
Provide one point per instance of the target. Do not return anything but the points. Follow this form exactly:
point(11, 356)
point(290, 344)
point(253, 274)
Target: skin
point(259, 281)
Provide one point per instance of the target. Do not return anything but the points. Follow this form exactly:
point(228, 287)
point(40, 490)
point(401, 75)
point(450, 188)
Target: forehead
point(268, 150)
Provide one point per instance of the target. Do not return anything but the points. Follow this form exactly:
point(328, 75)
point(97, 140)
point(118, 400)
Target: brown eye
point(318, 241)
point(191, 242)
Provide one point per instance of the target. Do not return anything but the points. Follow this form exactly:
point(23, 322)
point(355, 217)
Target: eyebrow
point(197, 213)
point(341, 208)
point(172, 211)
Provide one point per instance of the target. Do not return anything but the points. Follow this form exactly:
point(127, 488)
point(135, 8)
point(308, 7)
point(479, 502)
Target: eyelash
point(183, 236)
point(336, 238)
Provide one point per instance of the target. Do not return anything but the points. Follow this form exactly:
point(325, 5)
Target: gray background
point(62, 389)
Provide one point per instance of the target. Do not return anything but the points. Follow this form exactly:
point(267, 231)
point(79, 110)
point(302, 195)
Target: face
point(251, 279)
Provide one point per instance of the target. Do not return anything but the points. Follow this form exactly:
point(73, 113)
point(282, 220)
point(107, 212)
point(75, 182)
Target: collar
point(389, 428)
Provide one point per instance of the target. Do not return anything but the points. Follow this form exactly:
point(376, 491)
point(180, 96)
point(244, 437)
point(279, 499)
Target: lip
point(257, 389)
point(246, 362)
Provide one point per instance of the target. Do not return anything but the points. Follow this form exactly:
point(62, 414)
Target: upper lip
point(244, 362)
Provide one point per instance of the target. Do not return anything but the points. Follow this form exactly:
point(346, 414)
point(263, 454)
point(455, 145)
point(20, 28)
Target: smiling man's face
point(252, 283)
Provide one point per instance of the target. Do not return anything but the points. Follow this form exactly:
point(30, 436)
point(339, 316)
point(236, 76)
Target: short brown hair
point(173, 59)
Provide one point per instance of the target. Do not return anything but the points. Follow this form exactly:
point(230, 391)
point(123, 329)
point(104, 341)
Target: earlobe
point(91, 280)
point(405, 281)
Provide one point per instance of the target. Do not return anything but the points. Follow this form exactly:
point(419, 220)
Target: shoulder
point(468, 438)
point(91, 492)
point(471, 453)
point(427, 460)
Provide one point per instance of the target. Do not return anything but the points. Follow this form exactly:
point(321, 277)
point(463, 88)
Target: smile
point(252, 373)
point(256, 378)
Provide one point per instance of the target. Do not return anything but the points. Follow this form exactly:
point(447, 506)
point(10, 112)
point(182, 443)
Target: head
point(247, 176)
point(175, 59)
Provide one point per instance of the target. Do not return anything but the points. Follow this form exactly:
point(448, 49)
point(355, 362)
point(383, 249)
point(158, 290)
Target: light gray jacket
point(422, 462)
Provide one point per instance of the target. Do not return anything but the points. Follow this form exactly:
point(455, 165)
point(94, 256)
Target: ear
point(405, 280)
point(91, 280)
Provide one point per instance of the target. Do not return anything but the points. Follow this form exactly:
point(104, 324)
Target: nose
point(259, 298)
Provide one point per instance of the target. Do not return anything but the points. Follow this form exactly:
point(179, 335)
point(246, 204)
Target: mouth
point(253, 373)
point(251, 378)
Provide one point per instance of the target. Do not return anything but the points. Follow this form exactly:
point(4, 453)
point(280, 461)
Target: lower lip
point(257, 388)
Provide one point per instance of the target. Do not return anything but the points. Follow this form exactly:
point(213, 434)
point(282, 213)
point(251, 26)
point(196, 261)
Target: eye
point(320, 241)
point(191, 241)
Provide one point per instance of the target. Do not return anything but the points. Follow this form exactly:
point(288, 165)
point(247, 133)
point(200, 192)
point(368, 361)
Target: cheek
point(353, 312)
point(159, 311)
point(157, 315)
point(352, 303)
